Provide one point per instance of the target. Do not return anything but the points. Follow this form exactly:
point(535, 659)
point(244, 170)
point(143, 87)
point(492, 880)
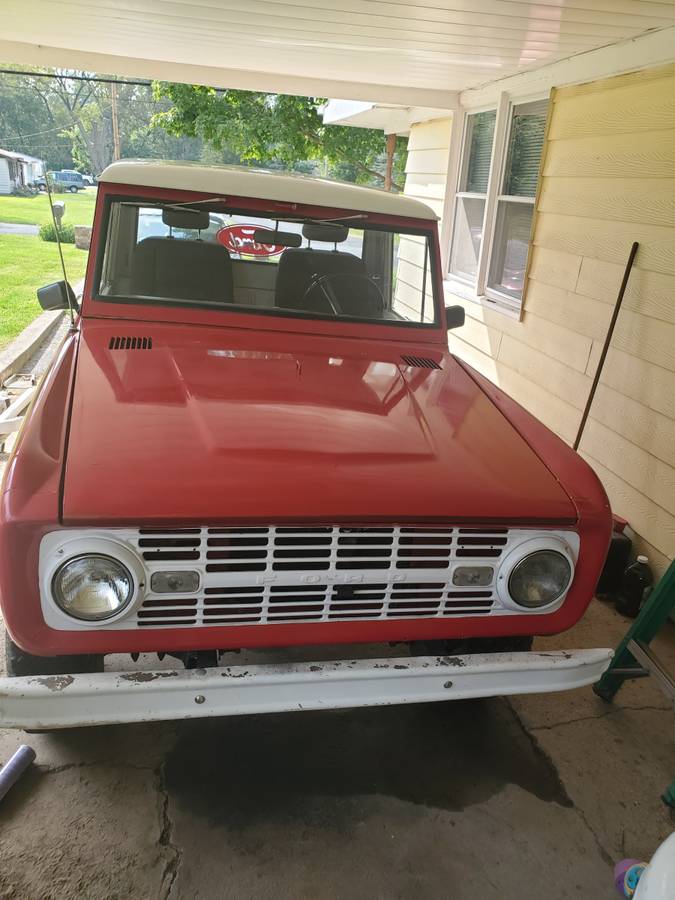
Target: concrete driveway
point(12, 228)
point(533, 798)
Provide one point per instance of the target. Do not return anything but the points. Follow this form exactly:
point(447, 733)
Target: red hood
point(216, 424)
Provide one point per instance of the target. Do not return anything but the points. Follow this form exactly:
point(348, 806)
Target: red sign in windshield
point(239, 239)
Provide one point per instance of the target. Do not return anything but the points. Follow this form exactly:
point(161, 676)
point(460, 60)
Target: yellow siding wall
point(426, 175)
point(608, 179)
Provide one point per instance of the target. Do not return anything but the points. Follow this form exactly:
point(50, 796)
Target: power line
point(97, 78)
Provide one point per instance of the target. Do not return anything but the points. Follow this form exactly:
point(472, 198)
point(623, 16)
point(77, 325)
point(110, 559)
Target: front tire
point(18, 662)
point(73, 189)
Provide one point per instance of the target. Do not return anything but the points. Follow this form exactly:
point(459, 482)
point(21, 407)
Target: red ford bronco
point(254, 436)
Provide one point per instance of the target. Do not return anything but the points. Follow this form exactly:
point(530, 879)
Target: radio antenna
point(58, 244)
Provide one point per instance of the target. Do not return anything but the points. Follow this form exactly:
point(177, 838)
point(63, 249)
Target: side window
point(494, 203)
point(515, 205)
point(472, 194)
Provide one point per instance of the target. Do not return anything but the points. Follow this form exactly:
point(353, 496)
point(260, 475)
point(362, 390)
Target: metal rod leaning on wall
point(608, 339)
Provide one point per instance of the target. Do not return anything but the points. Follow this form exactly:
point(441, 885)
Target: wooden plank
point(632, 464)
point(412, 274)
point(617, 82)
point(645, 200)
point(639, 424)
point(482, 362)
point(427, 161)
point(649, 293)
point(7, 426)
point(556, 377)
point(481, 336)
point(640, 106)
point(643, 381)
point(18, 405)
point(555, 340)
point(580, 314)
point(425, 191)
point(632, 155)
point(558, 415)
point(648, 339)
point(609, 241)
point(432, 135)
point(653, 522)
point(412, 252)
point(658, 561)
point(553, 266)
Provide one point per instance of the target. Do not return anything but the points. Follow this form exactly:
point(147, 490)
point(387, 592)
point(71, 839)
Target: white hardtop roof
point(236, 181)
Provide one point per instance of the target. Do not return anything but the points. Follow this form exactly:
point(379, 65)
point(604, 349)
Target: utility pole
point(391, 149)
point(117, 153)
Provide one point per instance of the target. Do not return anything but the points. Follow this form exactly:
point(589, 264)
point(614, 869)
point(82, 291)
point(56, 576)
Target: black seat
point(299, 269)
point(182, 270)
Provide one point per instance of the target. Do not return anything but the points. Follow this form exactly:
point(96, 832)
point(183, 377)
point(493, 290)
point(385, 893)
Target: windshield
point(191, 256)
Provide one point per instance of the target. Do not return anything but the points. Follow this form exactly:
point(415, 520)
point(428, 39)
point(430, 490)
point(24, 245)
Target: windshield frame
point(95, 303)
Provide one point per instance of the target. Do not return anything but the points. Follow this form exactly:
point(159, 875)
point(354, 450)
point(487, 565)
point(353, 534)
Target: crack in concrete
point(536, 746)
point(601, 715)
point(166, 838)
point(46, 769)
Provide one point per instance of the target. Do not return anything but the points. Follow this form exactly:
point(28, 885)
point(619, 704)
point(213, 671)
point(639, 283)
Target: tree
point(28, 125)
point(269, 128)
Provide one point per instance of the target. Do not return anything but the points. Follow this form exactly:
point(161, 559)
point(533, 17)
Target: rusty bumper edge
point(68, 701)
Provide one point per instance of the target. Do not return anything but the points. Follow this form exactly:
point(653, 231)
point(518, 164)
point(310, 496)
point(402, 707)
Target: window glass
point(232, 260)
point(526, 141)
point(467, 237)
point(469, 208)
point(509, 254)
point(481, 129)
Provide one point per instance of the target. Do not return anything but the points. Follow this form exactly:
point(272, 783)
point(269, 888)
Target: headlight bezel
point(58, 548)
point(551, 543)
point(57, 589)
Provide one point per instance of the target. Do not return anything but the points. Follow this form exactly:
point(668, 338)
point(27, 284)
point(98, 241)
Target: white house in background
point(18, 170)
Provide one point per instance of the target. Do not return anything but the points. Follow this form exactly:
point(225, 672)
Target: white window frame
point(479, 289)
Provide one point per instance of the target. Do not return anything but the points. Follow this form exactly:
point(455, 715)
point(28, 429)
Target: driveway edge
point(13, 357)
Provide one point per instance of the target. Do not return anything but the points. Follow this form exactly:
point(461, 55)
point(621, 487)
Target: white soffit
point(385, 117)
point(418, 53)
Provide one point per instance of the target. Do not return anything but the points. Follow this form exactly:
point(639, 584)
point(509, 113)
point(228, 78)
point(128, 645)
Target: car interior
point(316, 268)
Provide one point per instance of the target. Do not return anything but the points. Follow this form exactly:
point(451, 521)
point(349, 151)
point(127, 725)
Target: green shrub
point(66, 233)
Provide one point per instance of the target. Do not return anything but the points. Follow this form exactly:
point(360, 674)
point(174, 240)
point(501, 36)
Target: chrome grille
point(257, 575)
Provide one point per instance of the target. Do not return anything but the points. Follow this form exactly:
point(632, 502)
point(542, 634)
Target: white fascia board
point(645, 51)
point(34, 54)
point(381, 116)
point(340, 112)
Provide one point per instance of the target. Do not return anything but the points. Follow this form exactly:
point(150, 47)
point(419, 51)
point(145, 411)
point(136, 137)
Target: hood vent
point(420, 362)
point(130, 343)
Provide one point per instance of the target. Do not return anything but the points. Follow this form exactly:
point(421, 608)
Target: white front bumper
point(67, 701)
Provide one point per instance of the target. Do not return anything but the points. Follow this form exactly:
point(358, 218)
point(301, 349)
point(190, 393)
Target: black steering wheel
point(323, 283)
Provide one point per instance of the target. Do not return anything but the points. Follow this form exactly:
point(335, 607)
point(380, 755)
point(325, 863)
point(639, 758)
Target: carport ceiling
point(404, 52)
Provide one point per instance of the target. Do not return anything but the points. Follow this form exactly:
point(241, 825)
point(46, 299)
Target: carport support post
point(391, 149)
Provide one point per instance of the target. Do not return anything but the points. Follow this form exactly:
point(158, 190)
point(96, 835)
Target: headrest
point(186, 218)
point(325, 231)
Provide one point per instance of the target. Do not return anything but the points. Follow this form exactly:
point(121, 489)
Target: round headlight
point(92, 587)
point(540, 578)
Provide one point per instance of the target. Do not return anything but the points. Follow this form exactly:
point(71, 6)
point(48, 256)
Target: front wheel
point(73, 189)
point(18, 662)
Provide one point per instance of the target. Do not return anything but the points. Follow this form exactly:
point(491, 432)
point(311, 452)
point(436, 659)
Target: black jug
point(635, 587)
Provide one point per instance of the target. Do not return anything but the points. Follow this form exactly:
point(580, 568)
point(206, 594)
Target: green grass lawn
point(35, 210)
point(27, 263)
